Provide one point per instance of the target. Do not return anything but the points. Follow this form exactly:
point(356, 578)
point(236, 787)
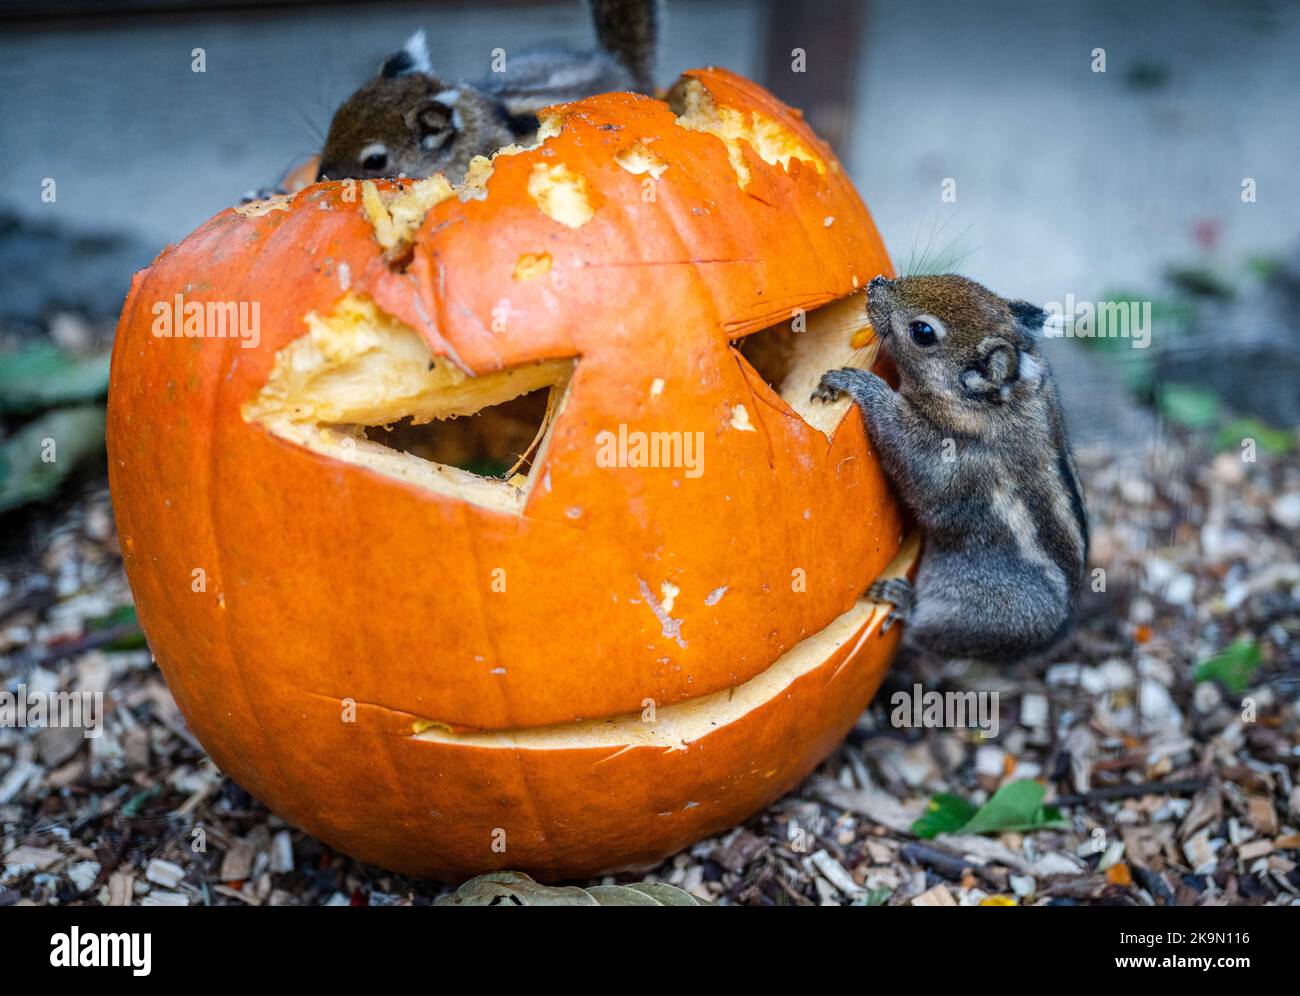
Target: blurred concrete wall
point(1066, 180)
point(136, 140)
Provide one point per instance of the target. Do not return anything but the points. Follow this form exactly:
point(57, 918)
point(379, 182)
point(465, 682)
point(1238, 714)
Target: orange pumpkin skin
point(309, 615)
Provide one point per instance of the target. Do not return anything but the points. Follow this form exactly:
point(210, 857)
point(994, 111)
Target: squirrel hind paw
point(898, 593)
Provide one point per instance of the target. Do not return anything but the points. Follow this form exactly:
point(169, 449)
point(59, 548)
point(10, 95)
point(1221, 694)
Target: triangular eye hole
point(791, 357)
point(391, 406)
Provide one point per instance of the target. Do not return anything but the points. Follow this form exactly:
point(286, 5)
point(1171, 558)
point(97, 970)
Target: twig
point(91, 641)
point(1188, 786)
point(947, 864)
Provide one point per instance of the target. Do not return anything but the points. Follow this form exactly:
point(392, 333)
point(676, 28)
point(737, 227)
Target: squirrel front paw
point(862, 385)
point(900, 594)
point(832, 385)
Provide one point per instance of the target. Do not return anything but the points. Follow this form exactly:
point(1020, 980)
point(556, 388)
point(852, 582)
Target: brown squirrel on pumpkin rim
point(975, 443)
point(408, 121)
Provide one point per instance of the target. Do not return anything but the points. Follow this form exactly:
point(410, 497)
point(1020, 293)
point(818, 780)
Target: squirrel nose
point(877, 288)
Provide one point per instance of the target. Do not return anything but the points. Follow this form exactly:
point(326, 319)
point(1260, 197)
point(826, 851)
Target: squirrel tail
point(629, 31)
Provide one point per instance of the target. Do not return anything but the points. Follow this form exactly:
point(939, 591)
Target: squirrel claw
point(900, 595)
point(824, 394)
point(831, 386)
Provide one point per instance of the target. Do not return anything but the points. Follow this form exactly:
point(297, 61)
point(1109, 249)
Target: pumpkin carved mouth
point(677, 726)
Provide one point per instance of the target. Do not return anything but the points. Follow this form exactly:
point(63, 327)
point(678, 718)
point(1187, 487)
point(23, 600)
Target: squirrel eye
point(374, 157)
point(923, 333)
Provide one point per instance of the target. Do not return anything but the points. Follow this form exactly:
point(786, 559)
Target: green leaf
point(1267, 439)
point(1201, 281)
point(517, 889)
point(36, 459)
point(667, 895)
point(621, 895)
point(1264, 267)
point(945, 814)
point(124, 618)
point(875, 897)
point(1017, 805)
point(138, 801)
point(43, 376)
point(1233, 667)
point(1192, 407)
point(1169, 315)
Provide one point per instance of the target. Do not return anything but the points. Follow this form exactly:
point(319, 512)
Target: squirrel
point(410, 122)
point(975, 443)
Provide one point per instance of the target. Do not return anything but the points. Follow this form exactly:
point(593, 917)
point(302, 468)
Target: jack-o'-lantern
point(494, 526)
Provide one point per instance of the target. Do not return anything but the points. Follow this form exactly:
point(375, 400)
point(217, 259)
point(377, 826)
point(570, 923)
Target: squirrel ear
point(431, 123)
point(1028, 316)
point(996, 368)
point(413, 58)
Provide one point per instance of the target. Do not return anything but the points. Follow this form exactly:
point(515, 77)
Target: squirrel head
point(404, 122)
point(955, 342)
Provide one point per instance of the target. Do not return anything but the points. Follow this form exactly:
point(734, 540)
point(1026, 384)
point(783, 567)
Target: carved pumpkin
point(641, 633)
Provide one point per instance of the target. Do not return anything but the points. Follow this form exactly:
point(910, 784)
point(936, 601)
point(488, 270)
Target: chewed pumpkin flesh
point(287, 562)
